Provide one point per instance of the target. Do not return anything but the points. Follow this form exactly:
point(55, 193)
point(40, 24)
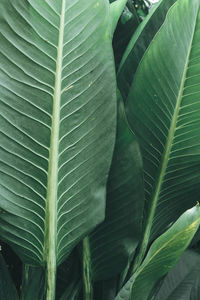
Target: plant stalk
point(87, 278)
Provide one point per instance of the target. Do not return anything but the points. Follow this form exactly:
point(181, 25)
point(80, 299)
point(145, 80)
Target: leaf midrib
point(175, 237)
point(50, 238)
point(165, 159)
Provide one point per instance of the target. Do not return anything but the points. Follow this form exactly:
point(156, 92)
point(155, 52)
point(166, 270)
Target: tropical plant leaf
point(58, 87)
point(7, 287)
point(116, 9)
point(106, 289)
point(117, 237)
point(181, 282)
point(72, 292)
point(165, 116)
point(33, 283)
point(126, 26)
point(162, 256)
point(139, 43)
point(68, 273)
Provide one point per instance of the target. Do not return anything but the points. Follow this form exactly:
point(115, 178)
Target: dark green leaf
point(123, 33)
point(116, 9)
point(139, 43)
point(117, 237)
point(33, 283)
point(7, 288)
point(105, 290)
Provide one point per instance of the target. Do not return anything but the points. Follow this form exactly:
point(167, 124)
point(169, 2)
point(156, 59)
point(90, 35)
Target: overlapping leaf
point(183, 281)
point(57, 117)
point(162, 256)
point(116, 239)
point(163, 110)
point(7, 288)
point(139, 43)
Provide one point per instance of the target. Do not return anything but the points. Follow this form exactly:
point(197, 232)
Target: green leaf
point(139, 43)
point(105, 290)
point(183, 281)
point(33, 283)
point(123, 33)
point(7, 288)
point(72, 292)
point(117, 237)
point(58, 87)
point(68, 274)
point(163, 110)
point(116, 9)
point(162, 256)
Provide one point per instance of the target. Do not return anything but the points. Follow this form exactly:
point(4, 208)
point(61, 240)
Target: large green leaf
point(57, 106)
point(162, 256)
point(163, 109)
point(183, 281)
point(117, 237)
point(139, 43)
point(7, 288)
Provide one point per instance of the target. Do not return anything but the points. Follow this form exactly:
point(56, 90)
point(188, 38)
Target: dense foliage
point(99, 150)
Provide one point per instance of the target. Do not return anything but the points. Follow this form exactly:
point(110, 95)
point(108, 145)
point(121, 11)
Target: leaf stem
point(87, 280)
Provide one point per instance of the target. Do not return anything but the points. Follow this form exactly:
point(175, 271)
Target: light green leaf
point(116, 9)
point(163, 110)
point(183, 281)
point(162, 256)
point(139, 43)
point(58, 114)
point(7, 288)
point(117, 237)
